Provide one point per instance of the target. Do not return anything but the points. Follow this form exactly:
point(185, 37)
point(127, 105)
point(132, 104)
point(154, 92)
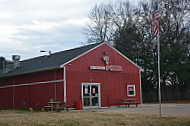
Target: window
point(131, 90)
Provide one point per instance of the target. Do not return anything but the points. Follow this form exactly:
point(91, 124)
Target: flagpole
point(159, 89)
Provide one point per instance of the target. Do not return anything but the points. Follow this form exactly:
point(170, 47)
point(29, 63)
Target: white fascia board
point(140, 87)
point(125, 57)
point(62, 66)
point(29, 84)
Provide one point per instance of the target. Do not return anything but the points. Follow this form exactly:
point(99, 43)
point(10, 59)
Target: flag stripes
point(156, 22)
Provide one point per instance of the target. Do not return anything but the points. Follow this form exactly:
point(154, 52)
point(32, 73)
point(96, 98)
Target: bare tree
point(104, 19)
point(99, 28)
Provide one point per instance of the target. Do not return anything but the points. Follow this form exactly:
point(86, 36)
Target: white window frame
point(128, 90)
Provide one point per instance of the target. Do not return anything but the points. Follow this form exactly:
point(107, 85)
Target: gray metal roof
point(49, 62)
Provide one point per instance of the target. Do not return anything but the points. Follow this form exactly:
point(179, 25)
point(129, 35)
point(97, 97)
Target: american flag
point(156, 23)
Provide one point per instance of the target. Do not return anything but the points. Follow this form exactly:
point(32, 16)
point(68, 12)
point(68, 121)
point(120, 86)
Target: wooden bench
point(127, 102)
point(56, 106)
point(65, 107)
point(57, 109)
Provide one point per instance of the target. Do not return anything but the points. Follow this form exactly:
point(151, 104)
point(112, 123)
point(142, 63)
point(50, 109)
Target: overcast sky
point(28, 26)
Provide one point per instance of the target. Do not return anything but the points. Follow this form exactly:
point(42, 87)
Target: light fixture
point(46, 51)
point(105, 53)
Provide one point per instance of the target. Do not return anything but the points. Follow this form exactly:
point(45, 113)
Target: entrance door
point(91, 95)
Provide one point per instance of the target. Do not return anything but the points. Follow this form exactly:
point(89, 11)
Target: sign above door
point(107, 67)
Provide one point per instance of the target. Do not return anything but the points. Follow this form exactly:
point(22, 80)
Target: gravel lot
point(179, 110)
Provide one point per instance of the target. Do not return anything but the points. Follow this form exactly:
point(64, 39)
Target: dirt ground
point(144, 115)
point(179, 110)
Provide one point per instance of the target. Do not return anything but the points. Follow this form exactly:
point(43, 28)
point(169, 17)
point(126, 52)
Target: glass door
point(86, 95)
point(91, 95)
point(94, 95)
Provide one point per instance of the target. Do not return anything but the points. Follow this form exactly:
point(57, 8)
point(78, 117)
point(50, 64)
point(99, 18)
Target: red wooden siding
point(113, 84)
point(6, 98)
point(35, 96)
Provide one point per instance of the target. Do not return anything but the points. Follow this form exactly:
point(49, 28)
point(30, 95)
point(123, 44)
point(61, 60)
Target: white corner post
point(140, 87)
point(64, 78)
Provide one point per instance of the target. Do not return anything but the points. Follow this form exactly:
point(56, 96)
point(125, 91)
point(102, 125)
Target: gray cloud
point(28, 26)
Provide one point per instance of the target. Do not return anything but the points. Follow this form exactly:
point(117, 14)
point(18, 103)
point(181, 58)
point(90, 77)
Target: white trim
point(125, 57)
point(82, 94)
point(34, 83)
point(61, 66)
point(131, 85)
point(99, 95)
point(140, 87)
point(64, 78)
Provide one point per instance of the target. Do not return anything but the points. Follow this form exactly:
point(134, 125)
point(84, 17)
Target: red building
point(96, 74)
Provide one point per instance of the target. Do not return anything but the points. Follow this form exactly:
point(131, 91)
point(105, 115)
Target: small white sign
point(97, 67)
point(86, 90)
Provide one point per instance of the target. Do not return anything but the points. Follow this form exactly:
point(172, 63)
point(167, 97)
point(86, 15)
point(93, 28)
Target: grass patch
point(35, 124)
point(27, 110)
point(70, 122)
point(4, 124)
point(85, 118)
point(20, 110)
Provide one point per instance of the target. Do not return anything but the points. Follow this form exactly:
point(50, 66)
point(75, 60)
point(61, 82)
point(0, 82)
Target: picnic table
point(57, 106)
point(128, 102)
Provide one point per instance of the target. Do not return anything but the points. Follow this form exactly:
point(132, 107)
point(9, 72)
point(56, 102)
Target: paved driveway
point(153, 109)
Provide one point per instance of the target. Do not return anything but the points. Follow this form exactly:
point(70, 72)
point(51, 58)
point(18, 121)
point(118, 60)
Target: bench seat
point(63, 107)
point(57, 108)
point(127, 103)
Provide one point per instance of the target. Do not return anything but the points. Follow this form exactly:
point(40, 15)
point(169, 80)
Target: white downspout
point(141, 87)
point(64, 78)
